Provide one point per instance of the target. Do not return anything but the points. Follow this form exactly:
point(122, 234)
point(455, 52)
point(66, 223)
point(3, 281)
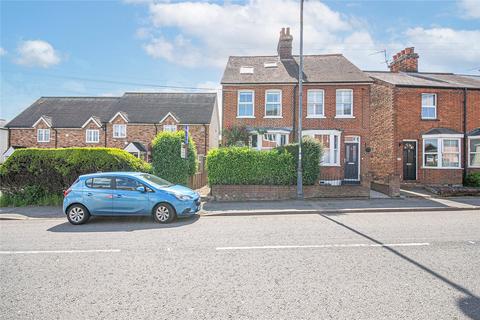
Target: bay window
point(330, 140)
point(315, 101)
point(474, 152)
point(273, 103)
point(245, 104)
point(441, 152)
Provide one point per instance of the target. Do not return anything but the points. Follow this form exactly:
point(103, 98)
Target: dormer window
point(43, 135)
point(246, 70)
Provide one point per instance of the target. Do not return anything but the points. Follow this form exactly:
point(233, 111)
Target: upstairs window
point(429, 106)
point(170, 127)
point(273, 103)
point(92, 136)
point(245, 104)
point(315, 104)
point(43, 135)
point(119, 130)
point(344, 98)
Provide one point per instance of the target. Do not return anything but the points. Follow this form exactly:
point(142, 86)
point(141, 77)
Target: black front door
point(351, 161)
point(409, 160)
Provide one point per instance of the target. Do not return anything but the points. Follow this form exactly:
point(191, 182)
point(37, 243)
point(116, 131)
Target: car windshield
point(156, 180)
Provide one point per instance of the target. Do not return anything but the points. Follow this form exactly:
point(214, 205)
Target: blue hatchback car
point(128, 194)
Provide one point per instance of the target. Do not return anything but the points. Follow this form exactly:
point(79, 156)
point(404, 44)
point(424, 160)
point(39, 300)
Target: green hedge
point(243, 165)
point(473, 179)
point(166, 158)
point(40, 173)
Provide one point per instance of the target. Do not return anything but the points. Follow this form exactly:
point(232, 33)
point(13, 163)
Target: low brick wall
point(390, 186)
point(262, 192)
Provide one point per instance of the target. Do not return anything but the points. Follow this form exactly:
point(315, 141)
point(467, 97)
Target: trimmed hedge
point(40, 173)
point(473, 179)
point(166, 160)
point(243, 165)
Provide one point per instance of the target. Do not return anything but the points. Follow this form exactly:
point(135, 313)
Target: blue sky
point(104, 48)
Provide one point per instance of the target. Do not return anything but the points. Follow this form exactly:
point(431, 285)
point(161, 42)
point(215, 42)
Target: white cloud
point(37, 53)
point(207, 33)
point(470, 8)
point(2, 52)
point(445, 49)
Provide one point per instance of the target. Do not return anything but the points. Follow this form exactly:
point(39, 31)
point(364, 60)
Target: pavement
point(410, 202)
point(371, 265)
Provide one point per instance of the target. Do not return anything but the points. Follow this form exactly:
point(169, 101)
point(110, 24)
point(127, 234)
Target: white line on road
point(348, 245)
point(59, 251)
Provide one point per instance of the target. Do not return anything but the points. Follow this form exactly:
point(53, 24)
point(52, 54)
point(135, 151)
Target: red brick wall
point(358, 126)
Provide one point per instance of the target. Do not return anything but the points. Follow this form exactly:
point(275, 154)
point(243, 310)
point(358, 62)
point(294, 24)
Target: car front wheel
point(77, 214)
point(163, 213)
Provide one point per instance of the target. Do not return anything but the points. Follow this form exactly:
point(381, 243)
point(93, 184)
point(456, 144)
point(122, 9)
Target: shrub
point(312, 152)
point(236, 136)
point(38, 173)
point(473, 179)
point(242, 165)
point(166, 158)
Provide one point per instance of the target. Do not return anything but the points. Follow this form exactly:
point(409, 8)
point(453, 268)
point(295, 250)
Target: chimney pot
point(284, 47)
point(405, 61)
point(288, 31)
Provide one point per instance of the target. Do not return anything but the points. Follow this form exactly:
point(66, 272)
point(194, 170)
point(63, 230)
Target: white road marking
point(347, 245)
point(59, 251)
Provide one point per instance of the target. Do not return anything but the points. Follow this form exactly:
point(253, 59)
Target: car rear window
point(99, 183)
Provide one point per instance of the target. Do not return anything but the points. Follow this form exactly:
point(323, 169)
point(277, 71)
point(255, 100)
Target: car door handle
point(89, 194)
point(118, 196)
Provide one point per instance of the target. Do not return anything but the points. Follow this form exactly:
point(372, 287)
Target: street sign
point(183, 151)
point(186, 134)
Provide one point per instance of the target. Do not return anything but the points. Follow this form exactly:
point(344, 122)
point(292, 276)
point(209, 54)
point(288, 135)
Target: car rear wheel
point(163, 213)
point(77, 214)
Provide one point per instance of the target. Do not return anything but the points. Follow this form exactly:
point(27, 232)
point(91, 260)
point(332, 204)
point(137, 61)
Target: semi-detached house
point(425, 126)
point(261, 94)
point(129, 122)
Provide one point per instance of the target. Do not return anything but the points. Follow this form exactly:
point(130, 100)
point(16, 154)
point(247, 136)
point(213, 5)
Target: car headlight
point(183, 197)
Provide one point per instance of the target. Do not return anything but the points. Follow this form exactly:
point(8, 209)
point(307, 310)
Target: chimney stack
point(405, 61)
point(284, 47)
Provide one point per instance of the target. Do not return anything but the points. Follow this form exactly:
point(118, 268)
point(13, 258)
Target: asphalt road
point(423, 265)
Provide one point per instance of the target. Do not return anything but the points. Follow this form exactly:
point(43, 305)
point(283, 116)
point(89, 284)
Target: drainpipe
point(105, 134)
point(206, 140)
point(294, 100)
point(9, 138)
point(156, 129)
point(465, 138)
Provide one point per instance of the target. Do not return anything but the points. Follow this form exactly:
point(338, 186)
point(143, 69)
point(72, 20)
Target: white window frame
point(118, 134)
point(90, 133)
point(316, 115)
point(434, 106)
point(470, 152)
point(44, 134)
point(343, 115)
point(275, 91)
point(277, 135)
point(333, 153)
point(238, 103)
point(170, 127)
point(440, 152)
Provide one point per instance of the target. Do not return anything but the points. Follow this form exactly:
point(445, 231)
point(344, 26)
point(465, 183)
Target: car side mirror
point(141, 189)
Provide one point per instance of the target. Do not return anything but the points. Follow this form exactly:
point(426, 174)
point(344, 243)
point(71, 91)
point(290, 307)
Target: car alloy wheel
point(78, 214)
point(164, 213)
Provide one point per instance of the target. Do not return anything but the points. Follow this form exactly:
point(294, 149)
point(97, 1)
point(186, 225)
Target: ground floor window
point(170, 127)
point(268, 140)
point(330, 139)
point(474, 152)
point(441, 152)
point(92, 136)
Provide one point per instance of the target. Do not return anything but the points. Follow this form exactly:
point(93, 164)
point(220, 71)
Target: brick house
point(261, 94)
point(129, 122)
point(424, 126)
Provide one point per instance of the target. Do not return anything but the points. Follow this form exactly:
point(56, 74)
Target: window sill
point(119, 137)
point(344, 117)
point(443, 168)
point(43, 141)
point(273, 117)
point(245, 117)
point(91, 142)
point(315, 117)
point(329, 165)
point(429, 119)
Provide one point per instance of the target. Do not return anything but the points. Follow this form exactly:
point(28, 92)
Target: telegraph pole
point(300, 114)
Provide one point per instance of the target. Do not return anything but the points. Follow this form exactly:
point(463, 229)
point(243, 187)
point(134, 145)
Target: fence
point(198, 180)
